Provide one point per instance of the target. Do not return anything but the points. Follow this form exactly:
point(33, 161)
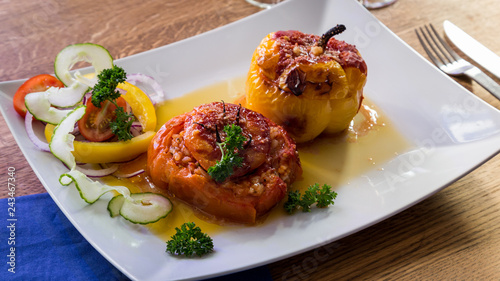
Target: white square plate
point(451, 131)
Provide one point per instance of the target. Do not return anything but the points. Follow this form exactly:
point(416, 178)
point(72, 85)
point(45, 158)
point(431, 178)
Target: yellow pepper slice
point(106, 152)
point(141, 105)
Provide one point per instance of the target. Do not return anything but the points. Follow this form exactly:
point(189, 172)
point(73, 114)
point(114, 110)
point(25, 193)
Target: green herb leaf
point(325, 196)
point(321, 196)
point(309, 198)
point(230, 158)
point(122, 124)
point(105, 89)
point(293, 201)
point(189, 240)
point(234, 137)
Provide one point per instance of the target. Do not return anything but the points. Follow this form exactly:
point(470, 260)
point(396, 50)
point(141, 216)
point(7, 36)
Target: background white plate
point(451, 130)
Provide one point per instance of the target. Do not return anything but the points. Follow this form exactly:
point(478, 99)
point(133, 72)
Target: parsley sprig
point(230, 159)
point(122, 124)
point(189, 240)
point(321, 196)
point(107, 81)
point(105, 90)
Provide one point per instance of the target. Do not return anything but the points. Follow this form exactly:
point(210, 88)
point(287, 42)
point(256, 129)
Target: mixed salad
point(97, 118)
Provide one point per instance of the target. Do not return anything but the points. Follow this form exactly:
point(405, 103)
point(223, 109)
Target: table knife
point(472, 48)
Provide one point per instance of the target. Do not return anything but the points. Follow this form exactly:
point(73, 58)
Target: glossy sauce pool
point(334, 160)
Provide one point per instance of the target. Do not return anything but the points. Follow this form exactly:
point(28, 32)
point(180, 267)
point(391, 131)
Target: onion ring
point(28, 123)
point(128, 175)
point(91, 172)
point(156, 95)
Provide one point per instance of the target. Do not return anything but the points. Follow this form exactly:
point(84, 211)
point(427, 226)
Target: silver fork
point(450, 62)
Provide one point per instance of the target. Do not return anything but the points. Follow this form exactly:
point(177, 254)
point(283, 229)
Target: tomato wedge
point(39, 83)
point(94, 125)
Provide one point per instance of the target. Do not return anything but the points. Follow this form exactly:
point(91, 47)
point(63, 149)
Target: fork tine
point(436, 46)
point(439, 62)
point(445, 45)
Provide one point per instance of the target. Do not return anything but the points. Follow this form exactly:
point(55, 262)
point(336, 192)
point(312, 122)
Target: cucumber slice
point(95, 54)
point(84, 80)
point(144, 208)
point(39, 106)
point(139, 208)
point(67, 97)
point(65, 180)
point(90, 190)
point(61, 143)
point(115, 204)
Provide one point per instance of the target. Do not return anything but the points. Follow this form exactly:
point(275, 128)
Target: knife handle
point(484, 80)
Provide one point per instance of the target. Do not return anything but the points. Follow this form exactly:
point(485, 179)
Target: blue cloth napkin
point(39, 243)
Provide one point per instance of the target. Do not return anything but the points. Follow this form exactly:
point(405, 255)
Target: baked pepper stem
point(339, 28)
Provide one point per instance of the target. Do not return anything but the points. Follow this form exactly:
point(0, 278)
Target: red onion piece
point(136, 126)
point(135, 131)
point(129, 175)
point(91, 172)
point(86, 97)
point(156, 94)
point(28, 123)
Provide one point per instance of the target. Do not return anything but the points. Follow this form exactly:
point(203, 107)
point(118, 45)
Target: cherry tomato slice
point(94, 125)
point(39, 83)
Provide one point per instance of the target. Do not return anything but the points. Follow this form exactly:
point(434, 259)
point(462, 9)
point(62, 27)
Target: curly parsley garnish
point(230, 158)
point(321, 196)
point(107, 81)
point(104, 90)
point(190, 240)
point(122, 124)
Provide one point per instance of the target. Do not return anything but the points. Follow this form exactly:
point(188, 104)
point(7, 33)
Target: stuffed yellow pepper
point(306, 83)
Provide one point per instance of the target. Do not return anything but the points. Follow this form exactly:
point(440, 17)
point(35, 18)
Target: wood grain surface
point(453, 235)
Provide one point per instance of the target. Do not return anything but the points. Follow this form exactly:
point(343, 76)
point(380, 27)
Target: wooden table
point(453, 235)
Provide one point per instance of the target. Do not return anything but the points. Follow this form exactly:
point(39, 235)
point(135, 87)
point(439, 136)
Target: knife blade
point(472, 48)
